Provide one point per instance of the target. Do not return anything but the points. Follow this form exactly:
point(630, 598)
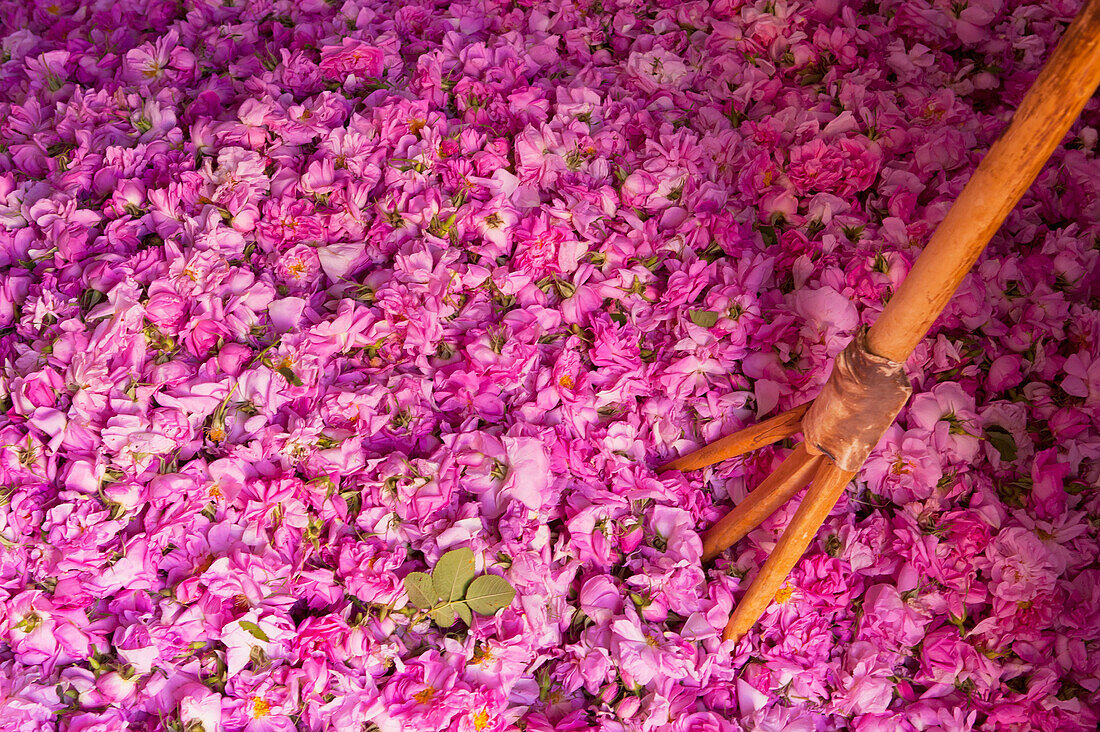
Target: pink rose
point(42, 634)
point(300, 73)
point(13, 290)
point(967, 532)
point(1048, 497)
point(298, 267)
point(676, 530)
point(353, 57)
point(1005, 372)
point(128, 494)
point(37, 390)
point(630, 537)
point(702, 722)
point(232, 357)
point(421, 497)
point(200, 704)
point(128, 197)
point(166, 309)
point(942, 655)
point(815, 166)
point(637, 188)
point(173, 424)
point(887, 614)
point(203, 335)
point(116, 688)
point(110, 720)
point(368, 572)
point(600, 598)
point(904, 467)
point(865, 677)
point(528, 478)
point(1021, 566)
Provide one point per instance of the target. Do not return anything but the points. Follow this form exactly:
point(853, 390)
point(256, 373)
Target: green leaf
point(421, 590)
point(769, 235)
point(289, 375)
point(90, 299)
point(256, 631)
point(463, 611)
point(1002, 440)
point(489, 593)
point(444, 616)
point(452, 574)
point(703, 318)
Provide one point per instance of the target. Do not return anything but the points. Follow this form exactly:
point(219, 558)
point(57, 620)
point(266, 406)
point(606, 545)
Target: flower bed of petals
point(296, 297)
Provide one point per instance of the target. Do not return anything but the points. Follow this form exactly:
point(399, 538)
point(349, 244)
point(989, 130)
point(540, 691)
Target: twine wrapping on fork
point(857, 405)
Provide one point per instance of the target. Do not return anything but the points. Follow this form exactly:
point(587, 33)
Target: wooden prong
point(771, 430)
point(828, 483)
point(789, 478)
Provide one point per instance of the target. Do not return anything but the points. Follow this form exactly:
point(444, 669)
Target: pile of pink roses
point(296, 296)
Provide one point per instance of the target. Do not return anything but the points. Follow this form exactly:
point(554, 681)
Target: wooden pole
point(1047, 112)
point(779, 427)
point(790, 477)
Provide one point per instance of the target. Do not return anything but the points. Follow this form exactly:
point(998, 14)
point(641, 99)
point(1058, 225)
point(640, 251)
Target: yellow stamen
point(260, 707)
point(901, 467)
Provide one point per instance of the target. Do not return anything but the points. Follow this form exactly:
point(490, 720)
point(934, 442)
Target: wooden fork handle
point(1046, 113)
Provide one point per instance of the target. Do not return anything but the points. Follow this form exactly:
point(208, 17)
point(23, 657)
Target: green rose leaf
point(256, 631)
point(489, 593)
point(703, 318)
point(444, 616)
point(463, 611)
point(421, 590)
point(1003, 441)
point(289, 375)
point(452, 574)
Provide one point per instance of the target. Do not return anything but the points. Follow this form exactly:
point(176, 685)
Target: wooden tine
point(828, 484)
point(789, 478)
point(779, 427)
